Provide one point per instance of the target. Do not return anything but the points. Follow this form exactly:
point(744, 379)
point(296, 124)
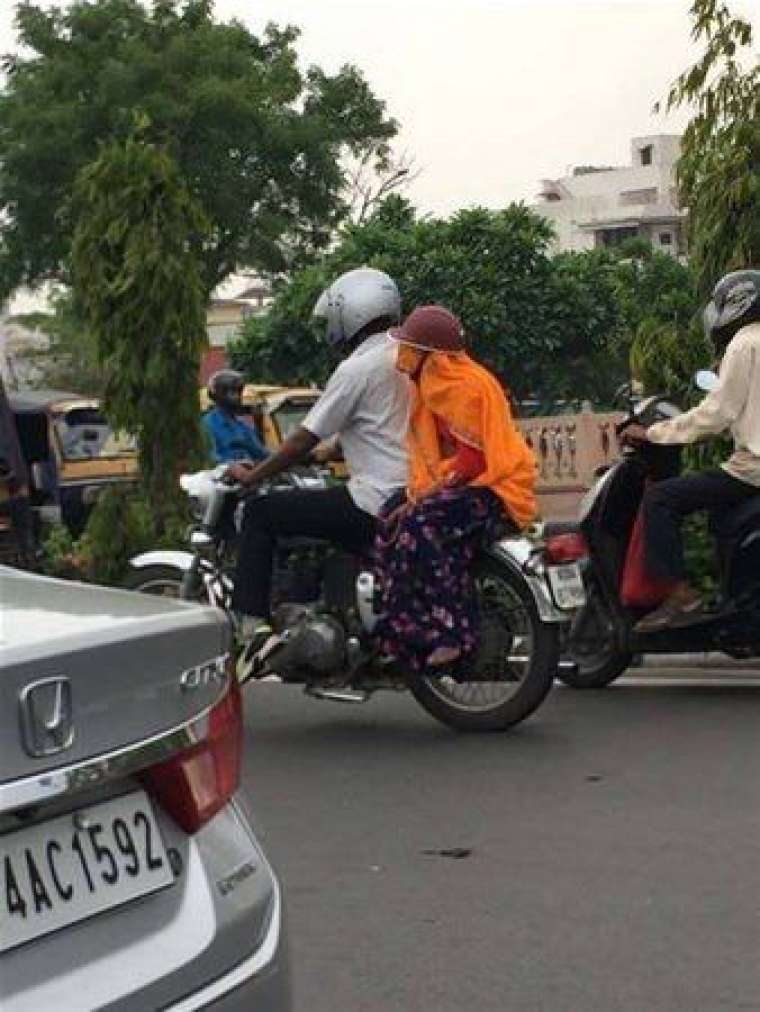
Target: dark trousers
point(667, 503)
point(329, 514)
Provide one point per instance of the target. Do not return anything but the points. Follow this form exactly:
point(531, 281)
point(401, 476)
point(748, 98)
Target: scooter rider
point(366, 404)
point(732, 320)
point(230, 437)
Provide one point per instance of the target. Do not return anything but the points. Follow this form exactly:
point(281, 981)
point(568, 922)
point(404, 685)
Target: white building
point(602, 206)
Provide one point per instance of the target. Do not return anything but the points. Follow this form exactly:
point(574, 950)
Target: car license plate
point(77, 865)
point(567, 586)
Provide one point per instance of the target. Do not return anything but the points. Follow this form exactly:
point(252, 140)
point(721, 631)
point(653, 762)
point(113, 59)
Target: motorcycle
point(602, 640)
point(325, 608)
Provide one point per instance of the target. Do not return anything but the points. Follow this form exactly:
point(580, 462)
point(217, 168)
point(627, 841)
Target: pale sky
point(493, 95)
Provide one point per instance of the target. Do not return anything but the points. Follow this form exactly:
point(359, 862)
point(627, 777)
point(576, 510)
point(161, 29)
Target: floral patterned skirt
point(424, 571)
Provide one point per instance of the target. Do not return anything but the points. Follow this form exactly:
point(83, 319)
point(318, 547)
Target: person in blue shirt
point(230, 437)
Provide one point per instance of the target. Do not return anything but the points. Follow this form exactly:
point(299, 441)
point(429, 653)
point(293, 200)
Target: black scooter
point(602, 641)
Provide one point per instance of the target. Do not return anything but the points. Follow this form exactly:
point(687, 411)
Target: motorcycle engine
point(312, 642)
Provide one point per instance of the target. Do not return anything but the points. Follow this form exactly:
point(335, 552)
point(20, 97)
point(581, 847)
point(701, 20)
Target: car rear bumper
point(261, 981)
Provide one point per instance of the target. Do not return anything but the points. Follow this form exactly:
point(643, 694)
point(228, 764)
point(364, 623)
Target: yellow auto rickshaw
point(83, 453)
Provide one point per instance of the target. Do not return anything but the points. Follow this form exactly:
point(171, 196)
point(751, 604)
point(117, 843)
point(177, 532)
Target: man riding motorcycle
point(732, 321)
point(366, 404)
point(231, 439)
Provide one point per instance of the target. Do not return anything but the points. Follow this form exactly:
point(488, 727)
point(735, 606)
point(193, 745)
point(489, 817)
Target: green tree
point(488, 267)
point(552, 328)
point(665, 357)
point(257, 141)
point(719, 168)
point(137, 279)
point(70, 362)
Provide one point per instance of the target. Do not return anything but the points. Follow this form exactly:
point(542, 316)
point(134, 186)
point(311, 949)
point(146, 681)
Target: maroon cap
point(431, 328)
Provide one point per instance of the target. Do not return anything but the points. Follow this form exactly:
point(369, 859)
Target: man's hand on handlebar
point(240, 471)
point(634, 435)
point(295, 448)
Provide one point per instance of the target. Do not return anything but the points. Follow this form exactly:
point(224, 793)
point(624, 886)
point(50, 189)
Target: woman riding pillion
point(470, 469)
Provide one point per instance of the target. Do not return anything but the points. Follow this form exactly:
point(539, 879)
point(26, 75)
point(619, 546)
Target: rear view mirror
point(706, 380)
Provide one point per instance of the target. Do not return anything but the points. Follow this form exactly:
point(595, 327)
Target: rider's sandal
point(671, 614)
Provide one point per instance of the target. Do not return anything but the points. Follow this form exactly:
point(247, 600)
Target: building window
point(629, 198)
point(646, 155)
point(614, 236)
point(666, 239)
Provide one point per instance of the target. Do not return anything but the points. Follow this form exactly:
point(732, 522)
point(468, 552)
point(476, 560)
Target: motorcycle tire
point(442, 697)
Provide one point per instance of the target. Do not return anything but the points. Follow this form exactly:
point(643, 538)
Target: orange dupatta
point(471, 402)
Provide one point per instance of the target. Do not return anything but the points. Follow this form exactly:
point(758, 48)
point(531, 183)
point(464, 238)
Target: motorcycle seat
point(732, 524)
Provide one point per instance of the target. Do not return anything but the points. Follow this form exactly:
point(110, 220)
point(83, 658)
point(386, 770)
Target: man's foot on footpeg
point(253, 634)
point(675, 610)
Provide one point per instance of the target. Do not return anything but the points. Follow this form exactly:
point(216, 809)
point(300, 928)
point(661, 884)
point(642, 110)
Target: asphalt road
point(605, 855)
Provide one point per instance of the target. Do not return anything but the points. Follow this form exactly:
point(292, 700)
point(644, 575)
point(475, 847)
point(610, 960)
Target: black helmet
point(735, 303)
point(225, 388)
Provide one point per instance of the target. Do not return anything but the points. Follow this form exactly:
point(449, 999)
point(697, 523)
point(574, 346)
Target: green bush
point(122, 524)
point(59, 553)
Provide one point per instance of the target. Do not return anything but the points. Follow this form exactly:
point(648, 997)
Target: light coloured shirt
point(734, 404)
point(366, 404)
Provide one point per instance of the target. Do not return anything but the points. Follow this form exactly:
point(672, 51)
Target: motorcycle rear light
point(566, 548)
point(194, 785)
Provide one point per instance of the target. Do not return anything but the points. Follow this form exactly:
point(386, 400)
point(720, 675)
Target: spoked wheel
point(513, 669)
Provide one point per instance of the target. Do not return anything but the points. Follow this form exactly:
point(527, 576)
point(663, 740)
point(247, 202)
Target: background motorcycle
point(602, 640)
point(324, 613)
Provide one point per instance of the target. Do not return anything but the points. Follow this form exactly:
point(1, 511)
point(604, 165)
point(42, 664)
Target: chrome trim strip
point(245, 970)
point(103, 768)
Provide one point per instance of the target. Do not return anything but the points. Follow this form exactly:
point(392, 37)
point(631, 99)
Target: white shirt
point(366, 404)
point(734, 404)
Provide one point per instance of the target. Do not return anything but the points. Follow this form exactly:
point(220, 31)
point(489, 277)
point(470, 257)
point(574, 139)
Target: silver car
point(131, 875)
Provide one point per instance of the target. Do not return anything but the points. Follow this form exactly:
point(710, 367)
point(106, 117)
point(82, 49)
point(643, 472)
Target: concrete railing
point(569, 449)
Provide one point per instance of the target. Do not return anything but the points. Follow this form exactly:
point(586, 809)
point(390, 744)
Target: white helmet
point(356, 299)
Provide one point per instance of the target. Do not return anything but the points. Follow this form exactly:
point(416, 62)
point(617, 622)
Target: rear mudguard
point(519, 555)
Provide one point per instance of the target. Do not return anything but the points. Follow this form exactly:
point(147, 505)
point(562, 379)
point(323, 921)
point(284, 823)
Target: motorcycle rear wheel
point(522, 675)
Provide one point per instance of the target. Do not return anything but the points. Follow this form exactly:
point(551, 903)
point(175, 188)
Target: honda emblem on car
point(47, 725)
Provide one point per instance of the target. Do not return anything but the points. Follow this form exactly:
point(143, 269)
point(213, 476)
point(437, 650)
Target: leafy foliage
point(257, 141)
point(664, 358)
point(70, 360)
point(122, 524)
point(719, 168)
point(135, 265)
point(557, 329)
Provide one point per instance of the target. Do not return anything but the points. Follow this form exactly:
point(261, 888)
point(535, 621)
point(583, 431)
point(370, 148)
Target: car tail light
point(194, 785)
point(566, 548)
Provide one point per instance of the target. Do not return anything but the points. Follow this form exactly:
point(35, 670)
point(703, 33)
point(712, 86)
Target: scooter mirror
point(706, 380)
